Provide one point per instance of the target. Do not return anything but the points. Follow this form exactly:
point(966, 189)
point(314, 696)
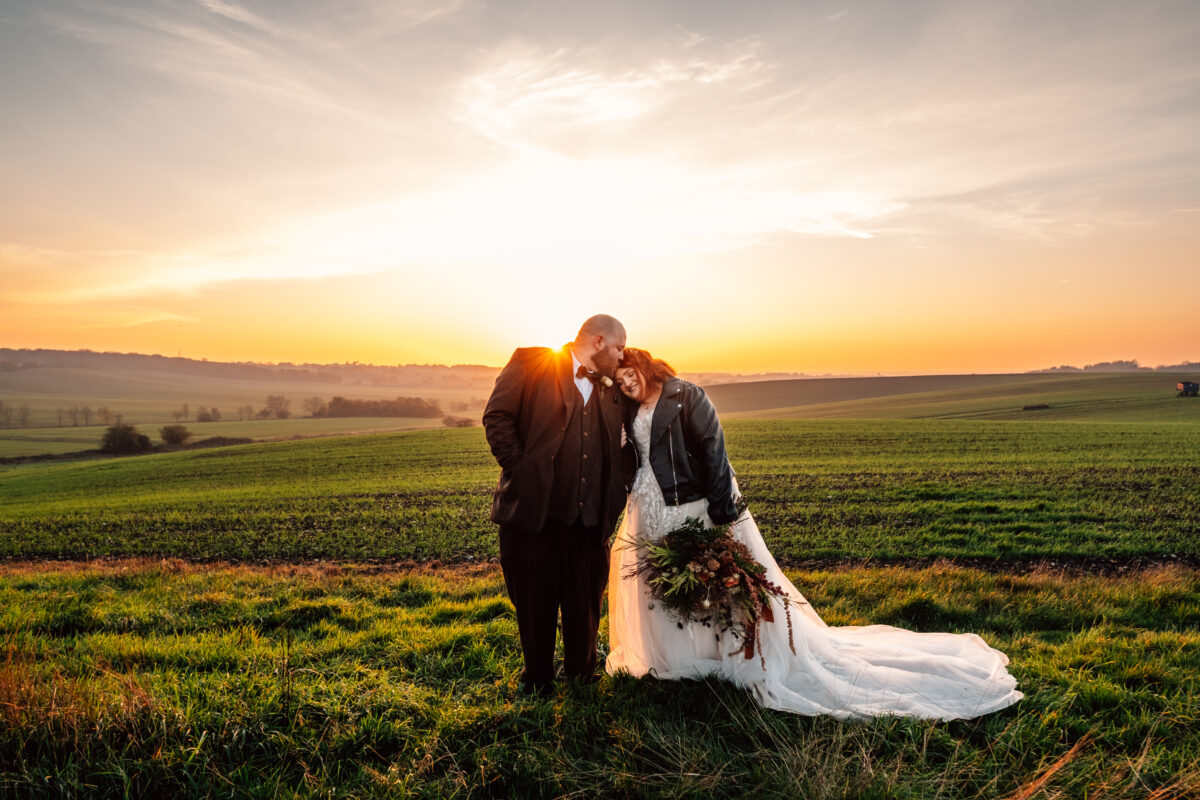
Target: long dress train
point(851, 672)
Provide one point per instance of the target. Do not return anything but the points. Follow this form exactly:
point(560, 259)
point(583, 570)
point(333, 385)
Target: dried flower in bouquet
point(705, 575)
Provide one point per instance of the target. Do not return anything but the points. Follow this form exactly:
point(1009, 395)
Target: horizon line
point(1116, 365)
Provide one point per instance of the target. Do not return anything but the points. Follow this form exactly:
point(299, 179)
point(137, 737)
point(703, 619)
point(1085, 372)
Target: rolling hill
point(1101, 397)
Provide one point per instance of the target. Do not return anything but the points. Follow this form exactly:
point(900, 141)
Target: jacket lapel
point(566, 381)
point(611, 412)
point(666, 409)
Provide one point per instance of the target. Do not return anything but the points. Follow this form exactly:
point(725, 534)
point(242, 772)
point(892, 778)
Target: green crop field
point(151, 400)
point(826, 490)
point(245, 621)
point(18, 442)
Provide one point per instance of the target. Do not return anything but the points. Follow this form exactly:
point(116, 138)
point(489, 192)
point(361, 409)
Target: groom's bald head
point(601, 340)
point(601, 325)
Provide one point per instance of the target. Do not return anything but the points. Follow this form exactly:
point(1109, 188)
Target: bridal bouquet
point(704, 575)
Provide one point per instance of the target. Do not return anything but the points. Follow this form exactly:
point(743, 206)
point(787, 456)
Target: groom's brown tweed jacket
point(525, 422)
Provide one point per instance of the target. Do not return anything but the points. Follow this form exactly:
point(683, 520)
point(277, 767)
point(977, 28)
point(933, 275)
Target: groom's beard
point(605, 363)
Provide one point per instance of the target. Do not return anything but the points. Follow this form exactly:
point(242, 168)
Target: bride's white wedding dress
point(847, 672)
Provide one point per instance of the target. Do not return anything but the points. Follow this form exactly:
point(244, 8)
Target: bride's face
point(631, 383)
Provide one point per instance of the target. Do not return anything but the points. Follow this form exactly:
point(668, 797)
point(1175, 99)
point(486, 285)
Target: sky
point(819, 187)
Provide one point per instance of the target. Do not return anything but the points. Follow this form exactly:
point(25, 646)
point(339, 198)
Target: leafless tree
point(277, 406)
point(315, 406)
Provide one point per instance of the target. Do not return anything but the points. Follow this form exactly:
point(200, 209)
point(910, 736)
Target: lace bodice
point(641, 432)
point(654, 516)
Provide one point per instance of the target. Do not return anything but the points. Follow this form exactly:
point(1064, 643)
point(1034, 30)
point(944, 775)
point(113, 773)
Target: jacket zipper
point(671, 450)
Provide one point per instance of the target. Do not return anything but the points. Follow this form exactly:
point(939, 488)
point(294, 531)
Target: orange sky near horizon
point(825, 188)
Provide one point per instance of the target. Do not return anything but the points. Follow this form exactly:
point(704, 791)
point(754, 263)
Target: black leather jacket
point(687, 450)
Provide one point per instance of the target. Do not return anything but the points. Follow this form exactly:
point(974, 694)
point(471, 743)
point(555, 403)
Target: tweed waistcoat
point(579, 466)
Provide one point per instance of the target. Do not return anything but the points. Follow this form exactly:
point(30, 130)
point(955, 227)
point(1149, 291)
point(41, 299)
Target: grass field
point(827, 490)
point(169, 679)
point(17, 442)
point(182, 665)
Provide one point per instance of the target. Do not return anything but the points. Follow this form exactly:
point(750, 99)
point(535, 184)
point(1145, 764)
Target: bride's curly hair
point(653, 371)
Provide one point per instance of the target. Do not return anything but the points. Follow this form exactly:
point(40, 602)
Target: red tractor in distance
point(1187, 388)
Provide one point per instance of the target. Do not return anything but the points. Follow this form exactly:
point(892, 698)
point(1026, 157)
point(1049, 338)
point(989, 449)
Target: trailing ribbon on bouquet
point(593, 376)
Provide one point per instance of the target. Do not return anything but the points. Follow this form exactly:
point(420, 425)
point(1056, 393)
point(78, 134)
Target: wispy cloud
point(314, 65)
point(185, 44)
point(238, 14)
point(524, 94)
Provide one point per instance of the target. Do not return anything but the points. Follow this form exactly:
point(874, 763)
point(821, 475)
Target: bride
point(848, 672)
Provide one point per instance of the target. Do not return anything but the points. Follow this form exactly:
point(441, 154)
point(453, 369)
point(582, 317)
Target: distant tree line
point(1123, 366)
point(104, 415)
point(12, 360)
point(277, 406)
point(202, 414)
point(14, 414)
point(467, 405)
point(346, 407)
point(347, 373)
point(20, 416)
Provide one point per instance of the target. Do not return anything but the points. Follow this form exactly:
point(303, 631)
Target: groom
point(553, 423)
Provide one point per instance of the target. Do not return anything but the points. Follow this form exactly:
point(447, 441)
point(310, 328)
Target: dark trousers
point(559, 567)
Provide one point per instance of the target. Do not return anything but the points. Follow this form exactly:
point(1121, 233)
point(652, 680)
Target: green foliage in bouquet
point(704, 575)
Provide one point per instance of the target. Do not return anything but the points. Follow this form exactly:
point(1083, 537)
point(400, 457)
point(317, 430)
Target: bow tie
point(594, 377)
